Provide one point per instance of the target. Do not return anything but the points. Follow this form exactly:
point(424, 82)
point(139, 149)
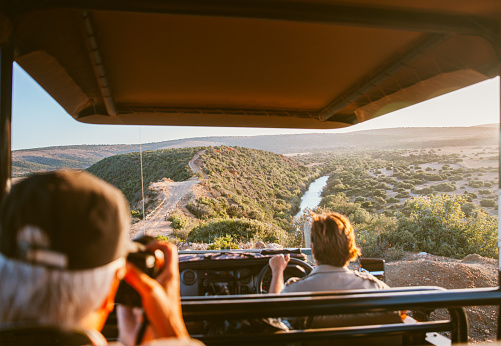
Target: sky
point(38, 121)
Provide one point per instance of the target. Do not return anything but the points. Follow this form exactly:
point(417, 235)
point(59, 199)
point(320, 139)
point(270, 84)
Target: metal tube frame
point(6, 63)
point(349, 15)
point(323, 13)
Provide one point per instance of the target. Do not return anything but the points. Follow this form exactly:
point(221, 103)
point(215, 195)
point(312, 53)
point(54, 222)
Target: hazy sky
point(38, 121)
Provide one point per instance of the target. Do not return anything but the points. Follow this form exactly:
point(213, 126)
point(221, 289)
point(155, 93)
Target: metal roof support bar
point(379, 77)
point(275, 10)
point(97, 63)
point(6, 61)
point(499, 212)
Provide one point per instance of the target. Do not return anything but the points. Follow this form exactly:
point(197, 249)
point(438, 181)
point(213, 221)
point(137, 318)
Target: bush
point(433, 177)
point(173, 240)
point(424, 191)
point(221, 243)
point(444, 187)
point(241, 230)
point(379, 193)
point(180, 233)
point(469, 208)
point(475, 183)
point(488, 203)
point(136, 214)
point(178, 221)
point(456, 177)
point(439, 226)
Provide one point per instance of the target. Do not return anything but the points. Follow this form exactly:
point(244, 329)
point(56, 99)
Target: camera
point(145, 261)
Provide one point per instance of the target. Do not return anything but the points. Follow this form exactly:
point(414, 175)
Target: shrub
point(433, 177)
point(221, 243)
point(379, 193)
point(456, 177)
point(242, 230)
point(402, 195)
point(484, 192)
point(488, 203)
point(468, 208)
point(181, 233)
point(439, 226)
point(444, 187)
point(475, 183)
point(178, 221)
point(379, 201)
point(136, 214)
point(424, 191)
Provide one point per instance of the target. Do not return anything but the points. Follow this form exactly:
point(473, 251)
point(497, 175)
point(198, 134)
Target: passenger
point(64, 237)
point(333, 247)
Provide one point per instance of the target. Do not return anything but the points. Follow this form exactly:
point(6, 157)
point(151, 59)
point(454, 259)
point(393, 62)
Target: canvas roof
point(281, 64)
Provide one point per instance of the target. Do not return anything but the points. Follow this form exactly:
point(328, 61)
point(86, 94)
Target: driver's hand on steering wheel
point(278, 263)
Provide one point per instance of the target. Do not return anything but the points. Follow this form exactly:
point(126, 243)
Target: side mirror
point(374, 266)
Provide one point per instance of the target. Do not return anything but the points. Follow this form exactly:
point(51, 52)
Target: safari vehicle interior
point(309, 64)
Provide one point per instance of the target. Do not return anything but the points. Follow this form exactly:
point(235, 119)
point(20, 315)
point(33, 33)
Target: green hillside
point(124, 170)
point(252, 184)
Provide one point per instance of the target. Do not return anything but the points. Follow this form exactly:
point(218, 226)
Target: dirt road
point(196, 167)
point(170, 193)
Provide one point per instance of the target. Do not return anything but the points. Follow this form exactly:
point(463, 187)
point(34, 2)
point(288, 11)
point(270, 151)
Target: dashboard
point(229, 273)
point(221, 281)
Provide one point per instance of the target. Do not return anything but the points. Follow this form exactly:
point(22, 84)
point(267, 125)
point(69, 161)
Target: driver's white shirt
point(325, 277)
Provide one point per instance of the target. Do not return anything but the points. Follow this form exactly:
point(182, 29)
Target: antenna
point(142, 180)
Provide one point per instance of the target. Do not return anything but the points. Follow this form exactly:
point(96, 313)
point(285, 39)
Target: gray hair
point(40, 295)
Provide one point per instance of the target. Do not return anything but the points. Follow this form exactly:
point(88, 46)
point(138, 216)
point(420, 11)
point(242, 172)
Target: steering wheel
point(295, 268)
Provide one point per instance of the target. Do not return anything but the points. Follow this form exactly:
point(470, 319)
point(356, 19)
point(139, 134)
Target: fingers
point(168, 264)
point(279, 262)
point(138, 280)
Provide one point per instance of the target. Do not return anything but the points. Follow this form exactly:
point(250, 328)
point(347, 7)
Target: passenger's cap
point(65, 219)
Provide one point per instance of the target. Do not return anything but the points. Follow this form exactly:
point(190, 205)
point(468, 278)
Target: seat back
point(360, 319)
point(44, 336)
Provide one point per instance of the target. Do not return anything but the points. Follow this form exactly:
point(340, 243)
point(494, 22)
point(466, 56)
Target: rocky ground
point(473, 271)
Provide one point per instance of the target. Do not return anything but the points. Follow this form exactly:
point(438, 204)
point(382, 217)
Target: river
point(311, 199)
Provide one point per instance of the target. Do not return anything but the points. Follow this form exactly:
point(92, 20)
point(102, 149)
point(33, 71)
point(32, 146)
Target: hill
point(83, 156)
point(261, 189)
point(124, 170)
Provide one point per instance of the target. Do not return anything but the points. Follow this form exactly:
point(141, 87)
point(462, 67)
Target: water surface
point(311, 199)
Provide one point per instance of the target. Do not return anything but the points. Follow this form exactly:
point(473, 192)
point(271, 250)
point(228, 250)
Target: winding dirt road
point(170, 193)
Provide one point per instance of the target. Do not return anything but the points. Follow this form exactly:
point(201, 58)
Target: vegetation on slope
point(124, 170)
point(252, 186)
point(396, 202)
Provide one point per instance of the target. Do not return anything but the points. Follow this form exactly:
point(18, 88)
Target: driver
point(333, 247)
point(64, 237)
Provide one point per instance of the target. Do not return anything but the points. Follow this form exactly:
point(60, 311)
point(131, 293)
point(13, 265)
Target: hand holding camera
point(160, 296)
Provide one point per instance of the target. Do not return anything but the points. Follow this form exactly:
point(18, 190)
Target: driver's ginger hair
point(333, 239)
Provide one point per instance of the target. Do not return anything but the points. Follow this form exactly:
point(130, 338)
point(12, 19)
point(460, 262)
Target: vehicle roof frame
point(435, 24)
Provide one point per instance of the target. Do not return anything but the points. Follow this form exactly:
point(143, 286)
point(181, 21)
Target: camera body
point(145, 261)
